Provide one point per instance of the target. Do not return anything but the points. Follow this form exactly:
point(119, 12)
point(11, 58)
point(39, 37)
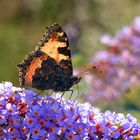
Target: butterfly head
point(76, 79)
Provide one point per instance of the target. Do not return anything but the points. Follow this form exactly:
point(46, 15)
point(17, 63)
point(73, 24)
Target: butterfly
point(49, 67)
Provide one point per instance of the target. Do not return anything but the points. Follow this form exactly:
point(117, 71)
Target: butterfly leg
point(71, 93)
point(78, 92)
point(41, 91)
point(51, 93)
point(62, 94)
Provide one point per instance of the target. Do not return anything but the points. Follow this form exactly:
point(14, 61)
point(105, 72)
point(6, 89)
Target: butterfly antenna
point(89, 70)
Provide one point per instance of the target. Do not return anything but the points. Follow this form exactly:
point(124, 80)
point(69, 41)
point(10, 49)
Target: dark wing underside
point(49, 67)
point(43, 73)
point(29, 66)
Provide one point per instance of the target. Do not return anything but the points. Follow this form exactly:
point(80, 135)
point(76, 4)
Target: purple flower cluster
point(26, 115)
point(120, 62)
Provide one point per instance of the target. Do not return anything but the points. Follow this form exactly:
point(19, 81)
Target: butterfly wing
point(40, 71)
point(55, 44)
point(29, 66)
point(49, 67)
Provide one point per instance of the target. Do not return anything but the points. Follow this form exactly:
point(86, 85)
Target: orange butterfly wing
point(51, 54)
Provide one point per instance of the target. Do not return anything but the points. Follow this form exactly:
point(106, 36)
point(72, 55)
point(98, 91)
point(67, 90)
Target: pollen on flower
point(77, 118)
point(10, 111)
point(70, 124)
point(24, 130)
point(10, 99)
point(1, 135)
point(12, 121)
point(36, 131)
point(51, 130)
point(71, 136)
point(53, 109)
point(35, 112)
point(56, 120)
point(48, 116)
point(14, 138)
point(42, 122)
point(11, 129)
point(63, 128)
point(79, 129)
point(22, 107)
point(64, 118)
point(30, 121)
point(91, 116)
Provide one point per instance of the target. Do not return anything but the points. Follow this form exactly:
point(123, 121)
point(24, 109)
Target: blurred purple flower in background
point(120, 62)
point(26, 115)
point(73, 34)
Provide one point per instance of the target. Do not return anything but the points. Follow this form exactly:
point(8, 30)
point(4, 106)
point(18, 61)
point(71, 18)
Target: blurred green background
point(22, 24)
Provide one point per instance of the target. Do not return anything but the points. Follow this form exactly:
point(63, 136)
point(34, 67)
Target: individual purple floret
point(26, 115)
point(120, 63)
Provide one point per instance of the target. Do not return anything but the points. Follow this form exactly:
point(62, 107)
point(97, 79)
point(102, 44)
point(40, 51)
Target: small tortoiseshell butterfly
point(49, 66)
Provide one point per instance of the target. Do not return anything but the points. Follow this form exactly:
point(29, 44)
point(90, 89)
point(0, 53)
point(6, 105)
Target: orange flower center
point(51, 130)
point(36, 131)
point(12, 122)
point(79, 129)
point(10, 110)
point(30, 121)
point(23, 130)
point(12, 129)
point(71, 136)
point(70, 125)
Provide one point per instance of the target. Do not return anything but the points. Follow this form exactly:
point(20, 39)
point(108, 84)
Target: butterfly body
point(49, 66)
